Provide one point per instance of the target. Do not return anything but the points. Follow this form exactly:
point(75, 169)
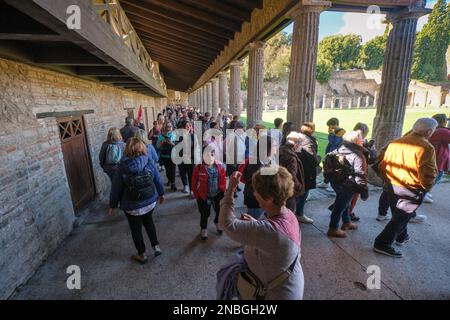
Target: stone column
point(235, 87)
point(209, 97)
point(324, 102)
point(200, 99)
point(302, 78)
point(358, 104)
point(391, 106)
point(223, 92)
point(215, 97)
point(375, 98)
point(255, 97)
point(205, 98)
point(350, 103)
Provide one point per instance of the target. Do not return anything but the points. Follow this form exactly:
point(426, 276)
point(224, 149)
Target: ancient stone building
point(72, 69)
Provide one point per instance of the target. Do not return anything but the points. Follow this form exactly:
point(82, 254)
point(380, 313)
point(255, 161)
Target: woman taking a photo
point(136, 189)
point(271, 246)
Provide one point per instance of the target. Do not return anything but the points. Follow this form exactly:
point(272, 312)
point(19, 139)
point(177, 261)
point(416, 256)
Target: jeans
point(383, 203)
point(170, 169)
point(404, 203)
point(300, 204)
point(204, 206)
point(439, 177)
point(186, 171)
point(291, 204)
point(255, 212)
point(136, 223)
point(341, 206)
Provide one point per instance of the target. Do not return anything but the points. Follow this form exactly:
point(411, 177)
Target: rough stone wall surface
point(36, 211)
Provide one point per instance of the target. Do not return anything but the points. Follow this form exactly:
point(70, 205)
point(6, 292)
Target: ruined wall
point(36, 211)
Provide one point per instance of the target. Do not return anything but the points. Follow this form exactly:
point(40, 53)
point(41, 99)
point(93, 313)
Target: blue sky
point(366, 25)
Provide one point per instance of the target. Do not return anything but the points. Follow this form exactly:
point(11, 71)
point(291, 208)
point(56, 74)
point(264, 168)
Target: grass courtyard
point(348, 119)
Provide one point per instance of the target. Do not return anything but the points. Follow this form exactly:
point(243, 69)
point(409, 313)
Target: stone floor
point(334, 269)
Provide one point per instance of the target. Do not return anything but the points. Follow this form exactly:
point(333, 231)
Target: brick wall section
point(35, 205)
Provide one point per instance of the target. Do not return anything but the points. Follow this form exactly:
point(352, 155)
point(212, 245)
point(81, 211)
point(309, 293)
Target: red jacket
point(440, 140)
point(200, 180)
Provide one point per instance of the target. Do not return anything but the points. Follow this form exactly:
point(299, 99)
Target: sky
point(368, 25)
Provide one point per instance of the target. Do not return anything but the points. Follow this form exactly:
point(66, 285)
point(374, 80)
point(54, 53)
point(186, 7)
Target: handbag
point(250, 287)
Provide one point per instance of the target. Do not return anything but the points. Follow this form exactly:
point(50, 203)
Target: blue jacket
point(151, 152)
point(334, 142)
point(132, 165)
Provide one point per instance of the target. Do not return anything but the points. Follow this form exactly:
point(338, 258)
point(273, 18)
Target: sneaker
point(391, 252)
point(349, 226)
point(158, 251)
point(419, 218)
point(191, 194)
point(336, 233)
point(305, 219)
point(430, 195)
point(219, 232)
point(382, 218)
point(186, 189)
point(428, 199)
point(204, 234)
point(329, 189)
point(323, 185)
point(407, 239)
point(354, 217)
point(141, 258)
point(173, 187)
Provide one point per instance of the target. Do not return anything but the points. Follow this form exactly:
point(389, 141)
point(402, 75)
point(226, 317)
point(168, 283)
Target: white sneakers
point(204, 234)
point(382, 218)
point(305, 219)
point(428, 198)
point(186, 189)
point(157, 250)
point(418, 219)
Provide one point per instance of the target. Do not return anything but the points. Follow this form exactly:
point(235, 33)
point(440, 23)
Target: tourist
point(154, 133)
point(165, 144)
point(410, 171)
point(333, 143)
point(288, 127)
point(353, 180)
point(186, 169)
point(173, 119)
point(271, 246)
point(208, 186)
point(129, 130)
point(138, 200)
point(151, 152)
point(215, 143)
point(138, 123)
point(440, 141)
point(310, 160)
point(235, 148)
point(278, 122)
point(111, 153)
point(234, 122)
point(290, 160)
point(251, 166)
point(370, 154)
point(206, 121)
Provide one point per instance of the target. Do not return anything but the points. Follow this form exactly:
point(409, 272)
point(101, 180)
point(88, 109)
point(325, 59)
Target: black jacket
point(310, 160)
point(128, 132)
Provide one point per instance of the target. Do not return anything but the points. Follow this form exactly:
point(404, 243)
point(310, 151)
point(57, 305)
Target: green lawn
point(347, 119)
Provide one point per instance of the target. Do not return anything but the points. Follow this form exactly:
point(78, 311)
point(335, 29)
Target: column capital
point(236, 63)
point(257, 45)
point(407, 13)
point(214, 80)
point(306, 6)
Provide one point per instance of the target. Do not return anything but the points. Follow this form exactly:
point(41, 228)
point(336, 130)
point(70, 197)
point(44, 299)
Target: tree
point(277, 57)
point(429, 62)
point(341, 50)
point(372, 52)
point(324, 70)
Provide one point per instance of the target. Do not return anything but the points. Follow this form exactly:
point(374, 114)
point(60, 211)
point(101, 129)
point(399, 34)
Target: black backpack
point(139, 186)
point(336, 168)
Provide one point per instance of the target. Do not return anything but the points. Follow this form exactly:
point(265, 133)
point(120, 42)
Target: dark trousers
point(204, 206)
point(403, 203)
point(341, 206)
point(291, 204)
point(186, 171)
point(383, 203)
point(300, 203)
point(170, 169)
point(136, 223)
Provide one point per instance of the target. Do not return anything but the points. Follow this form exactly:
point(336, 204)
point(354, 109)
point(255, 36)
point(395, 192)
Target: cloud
point(368, 26)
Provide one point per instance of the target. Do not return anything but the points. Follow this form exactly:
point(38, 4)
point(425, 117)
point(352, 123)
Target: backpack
point(113, 154)
point(336, 168)
point(139, 186)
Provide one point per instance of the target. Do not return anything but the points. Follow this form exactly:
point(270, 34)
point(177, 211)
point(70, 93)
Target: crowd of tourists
point(276, 184)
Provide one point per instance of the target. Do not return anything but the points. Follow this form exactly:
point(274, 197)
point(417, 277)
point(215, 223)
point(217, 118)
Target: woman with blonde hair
point(111, 153)
point(271, 246)
point(136, 189)
point(151, 152)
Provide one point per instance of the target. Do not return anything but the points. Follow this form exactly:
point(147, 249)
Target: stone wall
point(36, 211)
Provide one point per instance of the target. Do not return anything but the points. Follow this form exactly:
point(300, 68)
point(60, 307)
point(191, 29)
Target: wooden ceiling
point(185, 36)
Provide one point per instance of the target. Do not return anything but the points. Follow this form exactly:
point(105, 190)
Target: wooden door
point(76, 160)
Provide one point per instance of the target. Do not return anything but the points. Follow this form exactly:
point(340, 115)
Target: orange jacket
point(410, 162)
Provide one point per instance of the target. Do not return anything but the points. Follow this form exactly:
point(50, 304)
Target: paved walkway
point(334, 269)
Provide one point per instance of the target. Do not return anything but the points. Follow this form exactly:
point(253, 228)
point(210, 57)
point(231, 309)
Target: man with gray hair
point(409, 171)
point(129, 130)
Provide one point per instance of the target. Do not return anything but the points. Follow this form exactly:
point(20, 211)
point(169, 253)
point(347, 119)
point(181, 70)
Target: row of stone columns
point(391, 104)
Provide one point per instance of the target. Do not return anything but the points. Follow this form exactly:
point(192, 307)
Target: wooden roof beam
point(222, 9)
point(151, 38)
point(65, 56)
